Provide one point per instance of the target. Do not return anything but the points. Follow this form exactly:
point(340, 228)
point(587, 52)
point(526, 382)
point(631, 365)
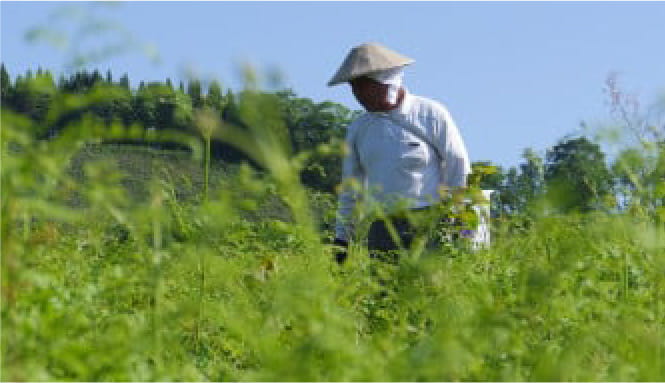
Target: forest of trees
point(574, 174)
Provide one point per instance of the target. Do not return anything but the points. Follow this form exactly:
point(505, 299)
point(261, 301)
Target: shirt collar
point(402, 109)
point(405, 106)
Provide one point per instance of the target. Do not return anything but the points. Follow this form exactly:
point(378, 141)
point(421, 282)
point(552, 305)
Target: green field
point(115, 268)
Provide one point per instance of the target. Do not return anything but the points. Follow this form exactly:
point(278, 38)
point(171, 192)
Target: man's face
point(372, 95)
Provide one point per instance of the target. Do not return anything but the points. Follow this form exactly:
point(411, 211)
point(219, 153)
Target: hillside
point(141, 164)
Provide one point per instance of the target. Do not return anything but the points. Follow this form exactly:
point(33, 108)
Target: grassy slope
point(139, 164)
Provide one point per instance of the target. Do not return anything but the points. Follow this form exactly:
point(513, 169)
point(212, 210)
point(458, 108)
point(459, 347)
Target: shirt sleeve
point(351, 169)
point(456, 162)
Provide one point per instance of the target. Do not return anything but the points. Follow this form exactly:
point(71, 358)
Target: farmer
point(405, 148)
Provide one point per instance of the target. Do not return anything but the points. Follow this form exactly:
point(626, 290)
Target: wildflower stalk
point(207, 123)
point(155, 275)
point(206, 168)
point(26, 226)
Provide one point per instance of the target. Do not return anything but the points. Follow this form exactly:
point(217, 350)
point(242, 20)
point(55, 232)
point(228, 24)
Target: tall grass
point(164, 289)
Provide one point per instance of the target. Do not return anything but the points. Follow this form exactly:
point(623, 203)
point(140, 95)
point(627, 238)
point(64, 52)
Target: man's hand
point(341, 250)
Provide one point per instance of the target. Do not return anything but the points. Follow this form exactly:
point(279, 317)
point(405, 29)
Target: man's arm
point(351, 170)
point(457, 163)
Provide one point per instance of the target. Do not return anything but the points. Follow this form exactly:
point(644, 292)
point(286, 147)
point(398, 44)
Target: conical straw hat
point(365, 59)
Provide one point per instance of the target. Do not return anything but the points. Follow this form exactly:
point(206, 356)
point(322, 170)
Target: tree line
point(162, 105)
point(574, 174)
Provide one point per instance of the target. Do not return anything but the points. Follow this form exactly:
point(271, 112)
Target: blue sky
point(513, 74)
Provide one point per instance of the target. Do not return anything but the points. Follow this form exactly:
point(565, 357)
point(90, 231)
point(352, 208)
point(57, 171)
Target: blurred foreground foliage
point(162, 262)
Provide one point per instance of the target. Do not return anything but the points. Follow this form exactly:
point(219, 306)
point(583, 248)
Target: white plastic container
point(481, 237)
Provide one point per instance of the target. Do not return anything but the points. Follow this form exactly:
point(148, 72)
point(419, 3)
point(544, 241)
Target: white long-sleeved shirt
point(392, 163)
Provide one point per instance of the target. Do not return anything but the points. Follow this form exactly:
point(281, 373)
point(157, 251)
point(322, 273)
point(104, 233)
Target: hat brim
point(366, 59)
point(344, 78)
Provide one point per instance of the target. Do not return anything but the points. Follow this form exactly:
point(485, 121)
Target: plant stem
point(206, 168)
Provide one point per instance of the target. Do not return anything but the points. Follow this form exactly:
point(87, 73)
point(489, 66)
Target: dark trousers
point(379, 237)
point(381, 244)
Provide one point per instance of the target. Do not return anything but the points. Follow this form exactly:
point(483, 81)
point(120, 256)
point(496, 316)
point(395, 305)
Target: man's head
point(375, 96)
point(375, 75)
